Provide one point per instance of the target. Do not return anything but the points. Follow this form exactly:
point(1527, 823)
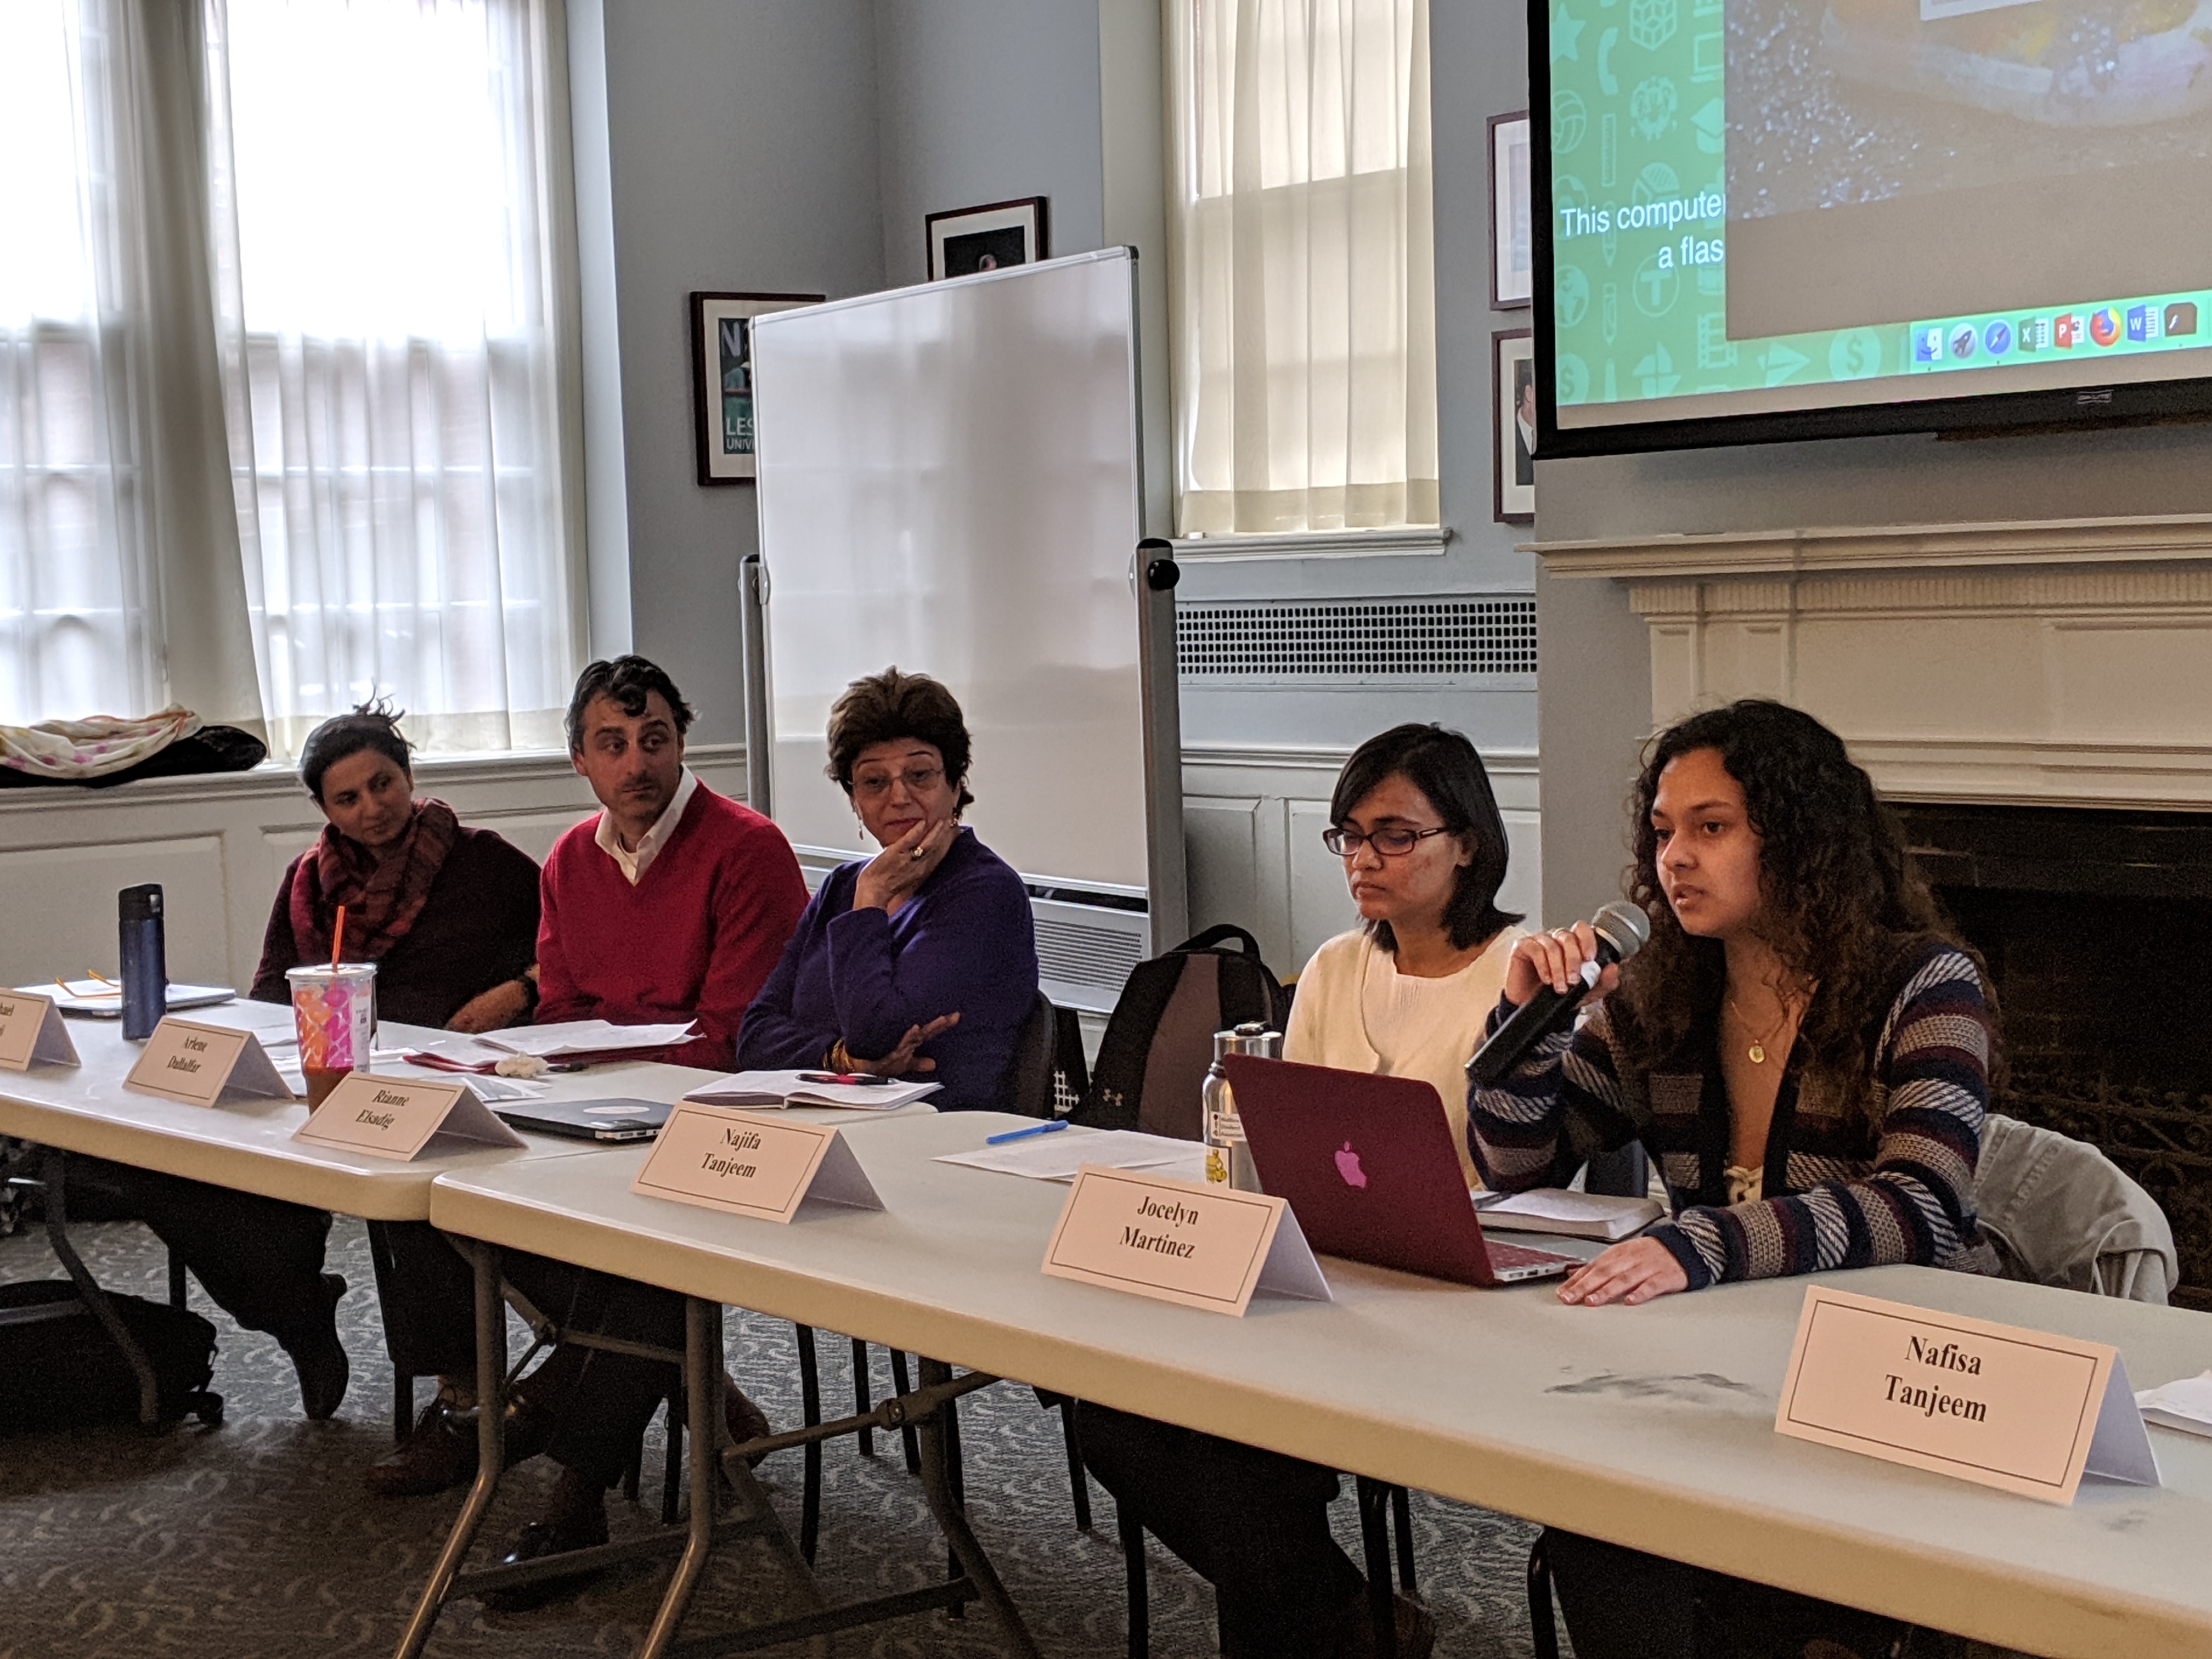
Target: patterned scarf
point(382, 899)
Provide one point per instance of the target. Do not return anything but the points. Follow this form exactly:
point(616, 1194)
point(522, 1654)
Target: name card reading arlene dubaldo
point(1180, 1241)
point(400, 1118)
point(205, 1065)
point(32, 1033)
point(2020, 1410)
point(749, 1163)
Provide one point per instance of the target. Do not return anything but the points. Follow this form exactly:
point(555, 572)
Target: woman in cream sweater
point(1406, 993)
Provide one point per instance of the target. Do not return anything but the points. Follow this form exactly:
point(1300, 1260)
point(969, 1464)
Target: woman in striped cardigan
point(1805, 1047)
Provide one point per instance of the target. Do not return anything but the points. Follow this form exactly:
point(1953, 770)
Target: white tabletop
point(1650, 1427)
point(248, 1145)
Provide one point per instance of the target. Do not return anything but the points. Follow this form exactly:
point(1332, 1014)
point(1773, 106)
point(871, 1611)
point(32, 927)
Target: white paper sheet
point(769, 1089)
point(2185, 1404)
point(1578, 1215)
point(1058, 1155)
point(584, 1036)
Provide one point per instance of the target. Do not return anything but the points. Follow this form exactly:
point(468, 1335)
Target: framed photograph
point(988, 238)
point(722, 378)
point(1513, 396)
point(1512, 259)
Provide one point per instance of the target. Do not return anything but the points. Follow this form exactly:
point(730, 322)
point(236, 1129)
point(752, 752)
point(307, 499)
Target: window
point(352, 251)
point(1304, 290)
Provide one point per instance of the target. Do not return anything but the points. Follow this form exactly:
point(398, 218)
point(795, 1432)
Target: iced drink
point(334, 1010)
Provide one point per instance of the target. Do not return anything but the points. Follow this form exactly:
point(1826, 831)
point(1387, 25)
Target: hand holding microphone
point(1549, 975)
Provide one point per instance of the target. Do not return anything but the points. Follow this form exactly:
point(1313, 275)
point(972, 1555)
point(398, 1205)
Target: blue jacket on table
point(964, 943)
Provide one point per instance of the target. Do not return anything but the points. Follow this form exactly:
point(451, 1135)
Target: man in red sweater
point(674, 902)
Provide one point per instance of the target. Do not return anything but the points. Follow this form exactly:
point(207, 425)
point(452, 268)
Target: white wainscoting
point(218, 846)
point(1252, 817)
point(1252, 825)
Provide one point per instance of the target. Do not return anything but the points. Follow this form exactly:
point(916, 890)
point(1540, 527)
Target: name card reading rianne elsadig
point(2020, 1410)
point(205, 1065)
point(32, 1033)
point(398, 1118)
point(750, 1164)
point(1201, 1245)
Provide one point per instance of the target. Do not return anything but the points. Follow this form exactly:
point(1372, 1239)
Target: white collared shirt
point(650, 843)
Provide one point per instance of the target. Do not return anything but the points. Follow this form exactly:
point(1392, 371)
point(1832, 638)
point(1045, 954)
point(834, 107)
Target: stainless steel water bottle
point(1228, 1160)
point(145, 962)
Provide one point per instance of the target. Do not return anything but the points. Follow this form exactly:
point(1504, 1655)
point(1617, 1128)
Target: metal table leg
point(702, 1413)
point(54, 1178)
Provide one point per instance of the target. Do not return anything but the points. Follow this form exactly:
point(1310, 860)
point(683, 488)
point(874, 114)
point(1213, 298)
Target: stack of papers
point(1575, 1215)
point(2185, 1405)
point(105, 998)
point(772, 1089)
point(571, 1039)
point(1057, 1157)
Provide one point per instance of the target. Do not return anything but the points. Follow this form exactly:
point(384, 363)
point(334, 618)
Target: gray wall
point(984, 101)
point(741, 147)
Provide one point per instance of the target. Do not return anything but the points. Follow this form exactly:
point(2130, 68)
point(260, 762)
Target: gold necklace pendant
point(1757, 1053)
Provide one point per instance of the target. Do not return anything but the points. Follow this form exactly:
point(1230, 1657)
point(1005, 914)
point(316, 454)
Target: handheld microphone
point(1621, 930)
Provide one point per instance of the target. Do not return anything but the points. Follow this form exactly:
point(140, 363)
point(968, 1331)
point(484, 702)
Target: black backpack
point(59, 1369)
point(1160, 1041)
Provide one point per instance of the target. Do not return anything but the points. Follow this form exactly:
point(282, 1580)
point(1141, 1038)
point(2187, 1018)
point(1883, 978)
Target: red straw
point(337, 937)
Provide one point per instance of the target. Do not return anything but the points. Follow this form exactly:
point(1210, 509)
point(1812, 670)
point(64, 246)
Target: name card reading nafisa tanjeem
point(750, 1164)
point(2020, 1410)
point(1201, 1245)
point(205, 1065)
point(400, 1118)
point(32, 1033)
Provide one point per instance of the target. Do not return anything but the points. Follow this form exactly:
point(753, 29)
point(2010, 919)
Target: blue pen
point(1024, 1134)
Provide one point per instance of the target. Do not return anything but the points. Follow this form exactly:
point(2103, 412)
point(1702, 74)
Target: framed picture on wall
point(1512, 259)
point(988, 238)
point(1513, 405)
point(722, 378)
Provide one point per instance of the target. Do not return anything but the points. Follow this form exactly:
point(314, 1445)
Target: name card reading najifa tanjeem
point(398, 1118)
point(1201, 1245)
point(32, 1033)
point(749, 1163)
point(2020, 1410)
point(205, 1065)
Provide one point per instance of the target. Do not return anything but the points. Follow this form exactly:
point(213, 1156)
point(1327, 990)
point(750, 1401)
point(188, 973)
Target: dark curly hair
point(1444, 766)
point(883, 708)
point(372, 725)
point(626, 682)
point(1841, 900)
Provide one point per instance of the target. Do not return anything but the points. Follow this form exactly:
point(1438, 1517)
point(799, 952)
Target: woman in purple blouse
point(921, 961)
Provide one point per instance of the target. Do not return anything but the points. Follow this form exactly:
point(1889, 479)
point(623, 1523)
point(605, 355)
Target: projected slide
point(1764, 205)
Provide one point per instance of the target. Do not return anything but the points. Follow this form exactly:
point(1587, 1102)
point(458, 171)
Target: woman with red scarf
point(450, 917)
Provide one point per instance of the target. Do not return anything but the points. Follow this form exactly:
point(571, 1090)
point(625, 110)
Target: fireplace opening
point(2097, 928)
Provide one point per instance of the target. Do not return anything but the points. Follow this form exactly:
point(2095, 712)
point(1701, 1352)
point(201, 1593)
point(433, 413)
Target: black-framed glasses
point(1390, 843)
point(916, 778)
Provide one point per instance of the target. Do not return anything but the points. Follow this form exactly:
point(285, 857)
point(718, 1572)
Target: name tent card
point(2023, 1410)
point(400, 1118)
point(205, 1065)
point(750, 1164)
point(1191, 1242)
point(32, 1033)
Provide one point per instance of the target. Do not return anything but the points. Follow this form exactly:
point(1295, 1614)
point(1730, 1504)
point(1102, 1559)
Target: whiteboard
point(950, 482)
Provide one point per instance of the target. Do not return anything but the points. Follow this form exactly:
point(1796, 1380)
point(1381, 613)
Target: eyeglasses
point(1390, 843)
point(916, 778)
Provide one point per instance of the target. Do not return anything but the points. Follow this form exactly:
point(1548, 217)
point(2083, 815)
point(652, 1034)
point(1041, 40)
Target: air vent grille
point(1365, 640)
point(1075, 953)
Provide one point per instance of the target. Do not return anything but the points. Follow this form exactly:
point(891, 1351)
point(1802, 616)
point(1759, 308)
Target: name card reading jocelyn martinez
point(205, 1065)
point(749, 1163)
point(32, 1033)
point(398, 1118)
point(2020, 1410)
point(1201, 1245)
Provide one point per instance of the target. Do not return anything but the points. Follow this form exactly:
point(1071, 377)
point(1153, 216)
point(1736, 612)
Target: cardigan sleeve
point(559, 997)
point(773, 1036)
point(758, 897)
point(279, 953)
point(1568, 1097)
point(1916, 1205)
point(970, 955)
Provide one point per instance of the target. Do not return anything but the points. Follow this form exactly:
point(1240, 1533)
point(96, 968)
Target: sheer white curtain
point(1303, 288)
point(392, 255)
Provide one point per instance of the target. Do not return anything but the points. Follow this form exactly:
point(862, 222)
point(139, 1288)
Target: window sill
point(1417, 540)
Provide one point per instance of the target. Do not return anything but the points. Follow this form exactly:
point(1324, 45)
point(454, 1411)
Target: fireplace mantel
point(2054, 663)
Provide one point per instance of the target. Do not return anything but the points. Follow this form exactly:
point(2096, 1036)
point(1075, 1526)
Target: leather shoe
point(568, 1527)
point(320, 1357)
point(442, 1452)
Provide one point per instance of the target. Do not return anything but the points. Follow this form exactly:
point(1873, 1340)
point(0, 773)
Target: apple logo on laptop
point(1347, 1165)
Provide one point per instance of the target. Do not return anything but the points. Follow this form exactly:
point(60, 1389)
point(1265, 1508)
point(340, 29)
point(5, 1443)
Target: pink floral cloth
point(68, 751)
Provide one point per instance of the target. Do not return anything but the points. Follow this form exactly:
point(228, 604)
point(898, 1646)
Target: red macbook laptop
point(1368, 1167)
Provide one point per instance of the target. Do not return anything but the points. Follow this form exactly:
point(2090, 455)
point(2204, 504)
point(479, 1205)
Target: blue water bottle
point(145, 962)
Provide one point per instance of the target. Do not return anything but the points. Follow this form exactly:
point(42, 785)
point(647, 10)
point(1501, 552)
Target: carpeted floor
point(256, 1538)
